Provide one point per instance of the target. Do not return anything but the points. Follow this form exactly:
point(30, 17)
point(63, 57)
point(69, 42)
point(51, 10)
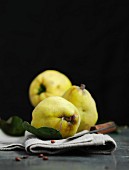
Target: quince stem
point(82, 86)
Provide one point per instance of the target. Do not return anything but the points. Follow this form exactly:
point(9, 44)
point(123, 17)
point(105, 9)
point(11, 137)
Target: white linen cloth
point(80, 142)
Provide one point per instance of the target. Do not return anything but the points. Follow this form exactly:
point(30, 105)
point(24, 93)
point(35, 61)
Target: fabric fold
point(84, 142)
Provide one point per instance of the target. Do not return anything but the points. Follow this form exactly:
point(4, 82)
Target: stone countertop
point(117, 160)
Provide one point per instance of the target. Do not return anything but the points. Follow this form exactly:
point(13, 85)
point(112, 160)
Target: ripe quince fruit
point(48, 83)
point(58, 113)
point(86, 105)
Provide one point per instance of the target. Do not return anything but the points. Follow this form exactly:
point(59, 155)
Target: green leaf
point(45, 133)
point(12, 126)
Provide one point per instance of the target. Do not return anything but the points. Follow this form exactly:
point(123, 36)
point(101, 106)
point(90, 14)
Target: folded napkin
point(80, 142)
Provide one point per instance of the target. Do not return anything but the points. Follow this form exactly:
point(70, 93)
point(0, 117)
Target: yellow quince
point(48, 83)
point(58, 113)
point(86, 105)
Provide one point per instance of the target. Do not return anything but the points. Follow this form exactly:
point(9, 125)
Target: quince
point(48, 83)
point(58, 113)
point(86, 105)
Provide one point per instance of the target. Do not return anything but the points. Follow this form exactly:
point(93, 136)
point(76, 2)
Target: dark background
point(88, 40)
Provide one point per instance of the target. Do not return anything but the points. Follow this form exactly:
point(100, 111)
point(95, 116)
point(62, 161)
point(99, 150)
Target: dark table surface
point(117, 160)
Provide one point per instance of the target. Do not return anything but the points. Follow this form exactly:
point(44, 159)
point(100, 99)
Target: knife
point(103, 128)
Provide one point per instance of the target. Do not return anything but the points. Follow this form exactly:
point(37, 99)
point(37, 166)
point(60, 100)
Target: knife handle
point(104, 128)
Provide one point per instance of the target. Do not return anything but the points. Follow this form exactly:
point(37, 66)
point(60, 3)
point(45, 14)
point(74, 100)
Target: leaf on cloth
point(43, 132)
point(12, 126)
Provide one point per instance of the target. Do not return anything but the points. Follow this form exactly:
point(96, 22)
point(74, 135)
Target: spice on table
point(17, 159)
point(52, 141)
point(45, 158)
point(40, 155)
